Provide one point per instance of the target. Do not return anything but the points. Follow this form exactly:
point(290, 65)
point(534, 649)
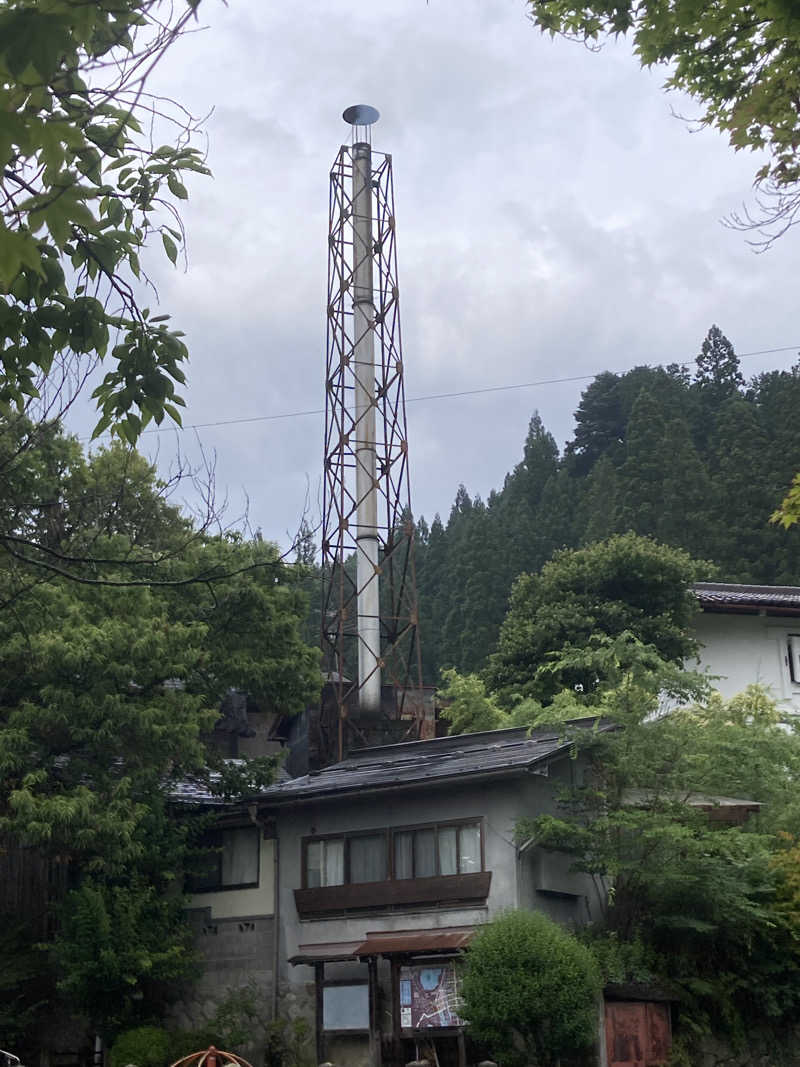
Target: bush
point(145, 1046)
point(289, 1044)
point(530, 990)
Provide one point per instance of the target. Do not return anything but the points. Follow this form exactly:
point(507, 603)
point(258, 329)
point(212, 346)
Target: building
point(749, 634)
point(359, 885)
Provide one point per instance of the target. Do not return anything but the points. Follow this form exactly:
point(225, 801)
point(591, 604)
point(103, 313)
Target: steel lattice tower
point(369, 606)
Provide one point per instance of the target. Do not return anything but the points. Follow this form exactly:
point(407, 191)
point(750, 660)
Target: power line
point(429, 396)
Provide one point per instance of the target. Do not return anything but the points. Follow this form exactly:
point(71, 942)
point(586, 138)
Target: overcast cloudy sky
point(554, 220)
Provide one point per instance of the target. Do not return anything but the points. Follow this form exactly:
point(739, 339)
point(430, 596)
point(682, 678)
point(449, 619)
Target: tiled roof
point(784, 598)
point(434, 762)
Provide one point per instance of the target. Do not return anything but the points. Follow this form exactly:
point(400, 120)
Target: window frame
point(388, 833)
point(219, 887)
point(788, 638)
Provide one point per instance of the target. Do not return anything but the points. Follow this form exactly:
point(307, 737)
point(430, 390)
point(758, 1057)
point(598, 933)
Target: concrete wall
point(498, 803)
point(743, 649)
point(233, 932)
point(233, 953)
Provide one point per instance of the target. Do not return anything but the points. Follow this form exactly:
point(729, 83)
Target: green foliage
point(718, 373)
point(641, 479)
point(788, 514)
point(238, 1016)
point(238, 1024)
point(699, 902)
point(469, 709)
point(144, 1046)
point(83, 192)
point(700, 466)
point(119, 946)
point(107, 694)
point(530, 990)
point(556, 633)
point(25, 986)
point(621, 961)
point(738, 60)
point(289, 1044)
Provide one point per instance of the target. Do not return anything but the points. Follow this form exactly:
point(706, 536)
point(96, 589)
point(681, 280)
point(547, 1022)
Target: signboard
point(429, 996)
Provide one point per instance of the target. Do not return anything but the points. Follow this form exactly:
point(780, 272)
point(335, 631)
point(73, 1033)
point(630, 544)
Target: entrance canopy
point(388, 943)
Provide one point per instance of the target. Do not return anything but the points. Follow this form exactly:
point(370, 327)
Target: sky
point(555, 219)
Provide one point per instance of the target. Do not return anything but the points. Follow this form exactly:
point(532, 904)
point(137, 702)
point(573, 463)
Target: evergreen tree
point(432, 593)
point(641, 479)
point(698, 464)
point(718, 375)
point(556, 518)
point(686, 505)
point(521, 496)
point(599, 424)
point(742, 540)
point(470, 630)
point(599, 506)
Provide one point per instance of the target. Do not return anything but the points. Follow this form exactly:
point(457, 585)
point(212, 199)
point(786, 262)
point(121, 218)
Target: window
point(367, 857)
point(345, 1006)
point(415, 852)
point(794, 658)
point(325, 862)
point(437, 850)
point(231, 861)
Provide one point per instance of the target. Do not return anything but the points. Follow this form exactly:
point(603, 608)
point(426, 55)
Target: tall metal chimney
point(367, 569)
point(369, 619)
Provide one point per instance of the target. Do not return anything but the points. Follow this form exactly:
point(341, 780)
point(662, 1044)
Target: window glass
point(314, 864)
point(324, 863)
point(240, 856)
point(424, 853)
point(334, 862)
point(403, 855)
point(345, 1007)
point(368, 858)
point(469, 858)
point(448, 851)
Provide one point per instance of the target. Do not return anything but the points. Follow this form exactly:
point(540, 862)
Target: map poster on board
point(429, 996)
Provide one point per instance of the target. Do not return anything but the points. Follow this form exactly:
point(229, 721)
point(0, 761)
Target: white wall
point(744, 649)
point(241, 903)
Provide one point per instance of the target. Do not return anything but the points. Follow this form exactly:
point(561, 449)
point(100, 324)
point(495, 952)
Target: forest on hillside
point(692, 455)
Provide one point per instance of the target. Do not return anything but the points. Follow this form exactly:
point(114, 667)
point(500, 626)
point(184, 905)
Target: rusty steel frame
point(400, 659)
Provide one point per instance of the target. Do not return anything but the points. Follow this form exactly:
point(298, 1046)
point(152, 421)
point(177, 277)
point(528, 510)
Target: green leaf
point(176, 187)
point(17, 251)
point(170, 247)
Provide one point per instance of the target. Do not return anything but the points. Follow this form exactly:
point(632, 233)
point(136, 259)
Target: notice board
point(429, 996)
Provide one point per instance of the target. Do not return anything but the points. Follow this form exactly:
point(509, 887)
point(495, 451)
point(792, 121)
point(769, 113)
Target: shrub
point(145, 1046)
point(530, 990)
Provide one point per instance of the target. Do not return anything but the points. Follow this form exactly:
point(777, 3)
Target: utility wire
point(429, 396)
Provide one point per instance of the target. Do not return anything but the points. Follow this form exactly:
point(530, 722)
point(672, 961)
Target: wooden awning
point(414, 942)
point(387, 943)
point(326, 952)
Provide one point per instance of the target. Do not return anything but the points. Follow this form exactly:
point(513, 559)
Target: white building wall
point(745, 649)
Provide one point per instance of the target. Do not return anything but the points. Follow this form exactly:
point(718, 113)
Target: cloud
point(553, 218)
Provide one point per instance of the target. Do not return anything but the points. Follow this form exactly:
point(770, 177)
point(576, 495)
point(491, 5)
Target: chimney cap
point(361, 115)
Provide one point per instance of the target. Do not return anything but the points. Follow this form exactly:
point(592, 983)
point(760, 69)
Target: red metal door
point(637, 1034)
